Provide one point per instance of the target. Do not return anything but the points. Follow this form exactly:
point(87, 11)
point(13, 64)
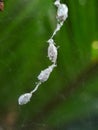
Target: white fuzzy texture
point(25, 98)
point(52, 51)
point(44, 75)
point(62, 12)
point(57, 3)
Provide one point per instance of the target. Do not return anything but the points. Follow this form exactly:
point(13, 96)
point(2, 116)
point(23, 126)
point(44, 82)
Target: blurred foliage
point(71, 93)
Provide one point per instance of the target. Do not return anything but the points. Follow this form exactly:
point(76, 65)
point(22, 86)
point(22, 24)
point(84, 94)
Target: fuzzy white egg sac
point(62, 12)
point(52, 51)
point(25, 98)
point(44, 75)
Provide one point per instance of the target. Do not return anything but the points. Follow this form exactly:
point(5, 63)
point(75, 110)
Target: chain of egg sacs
point(62, 14)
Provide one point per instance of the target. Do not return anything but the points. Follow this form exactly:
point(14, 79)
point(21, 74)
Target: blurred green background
point(69, 99)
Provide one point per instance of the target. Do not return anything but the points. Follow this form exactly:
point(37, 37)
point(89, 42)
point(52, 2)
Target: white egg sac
point(52, 51)
point(25, 98)
point(44, 75)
